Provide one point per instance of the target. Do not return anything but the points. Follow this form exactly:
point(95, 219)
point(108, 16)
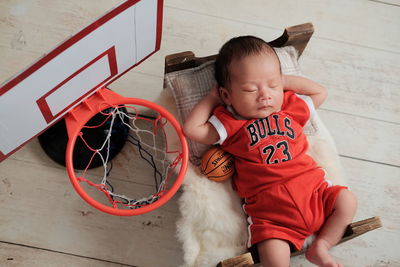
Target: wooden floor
point(355, 53)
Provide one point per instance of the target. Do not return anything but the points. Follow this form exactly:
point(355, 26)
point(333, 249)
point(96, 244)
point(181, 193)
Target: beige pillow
point(189, 86)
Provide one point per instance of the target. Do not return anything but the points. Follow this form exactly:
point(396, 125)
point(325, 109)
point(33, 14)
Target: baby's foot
point(318, 254)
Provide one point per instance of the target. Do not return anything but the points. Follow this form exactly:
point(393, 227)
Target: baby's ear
point(225, 95)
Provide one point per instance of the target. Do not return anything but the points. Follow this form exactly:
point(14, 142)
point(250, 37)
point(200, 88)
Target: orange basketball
point(217, 164)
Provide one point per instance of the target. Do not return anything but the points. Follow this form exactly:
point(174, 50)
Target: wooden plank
point(387, 2)
point(17, 61)
point(357, 22)
point(361, 227)
point(376, 182)
point(363, 138)
point(238, 261)
point(42, 210)
point(23, 28)
point(20, 255)
point(360, 81)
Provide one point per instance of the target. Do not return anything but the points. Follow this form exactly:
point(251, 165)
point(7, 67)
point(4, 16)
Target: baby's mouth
point(266, 107)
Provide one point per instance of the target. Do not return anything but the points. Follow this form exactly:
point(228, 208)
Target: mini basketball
point(217, 164)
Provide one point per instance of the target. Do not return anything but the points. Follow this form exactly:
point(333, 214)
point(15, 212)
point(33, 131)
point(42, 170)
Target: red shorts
point(290, 211)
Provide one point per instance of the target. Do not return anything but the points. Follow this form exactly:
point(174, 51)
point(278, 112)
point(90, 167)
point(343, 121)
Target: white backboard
point(37, 97)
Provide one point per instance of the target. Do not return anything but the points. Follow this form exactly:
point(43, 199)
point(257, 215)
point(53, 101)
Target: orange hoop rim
point(78, 117)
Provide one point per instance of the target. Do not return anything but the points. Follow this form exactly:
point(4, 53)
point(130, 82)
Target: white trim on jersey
point(250, 223)
point(220, 129)
point(309, 103)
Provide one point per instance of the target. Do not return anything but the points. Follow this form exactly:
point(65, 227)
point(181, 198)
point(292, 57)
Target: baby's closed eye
point(249, 90)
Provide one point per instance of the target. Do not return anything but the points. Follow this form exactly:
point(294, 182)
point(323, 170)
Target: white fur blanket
point(212, 226)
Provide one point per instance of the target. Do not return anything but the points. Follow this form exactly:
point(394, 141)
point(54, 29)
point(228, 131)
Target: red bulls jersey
point(270, 150)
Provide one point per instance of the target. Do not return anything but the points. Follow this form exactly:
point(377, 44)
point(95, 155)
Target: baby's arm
point(305, 86)
point(196, 126)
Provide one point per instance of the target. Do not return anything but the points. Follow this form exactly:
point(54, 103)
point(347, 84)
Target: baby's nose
point(265, 94)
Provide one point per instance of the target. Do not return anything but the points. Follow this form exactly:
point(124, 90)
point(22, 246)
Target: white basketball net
point(147, 139)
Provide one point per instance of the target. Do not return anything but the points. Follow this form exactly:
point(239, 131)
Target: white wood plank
point(360, 22)
point(39, 208)
point(14, 61)
point(387, 2)
point(35, 27)
point(17, 255)
point(360, 81)
point(364, 138)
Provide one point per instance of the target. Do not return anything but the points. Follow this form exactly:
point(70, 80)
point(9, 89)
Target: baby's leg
point(274, 253)
point(333, 229)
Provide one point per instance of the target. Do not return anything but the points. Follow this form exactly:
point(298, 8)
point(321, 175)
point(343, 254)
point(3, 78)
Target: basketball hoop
point(148, 149)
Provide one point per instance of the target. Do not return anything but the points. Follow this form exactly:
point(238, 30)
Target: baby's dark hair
point(237, 48)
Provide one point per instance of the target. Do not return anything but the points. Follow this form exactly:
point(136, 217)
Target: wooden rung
point(238, 261)
point(353, 230)
point(358, 228)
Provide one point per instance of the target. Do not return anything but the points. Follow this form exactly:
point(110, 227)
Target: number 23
point(270, 151)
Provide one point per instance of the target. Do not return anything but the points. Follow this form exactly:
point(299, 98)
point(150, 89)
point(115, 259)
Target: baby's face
point(256, 89)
